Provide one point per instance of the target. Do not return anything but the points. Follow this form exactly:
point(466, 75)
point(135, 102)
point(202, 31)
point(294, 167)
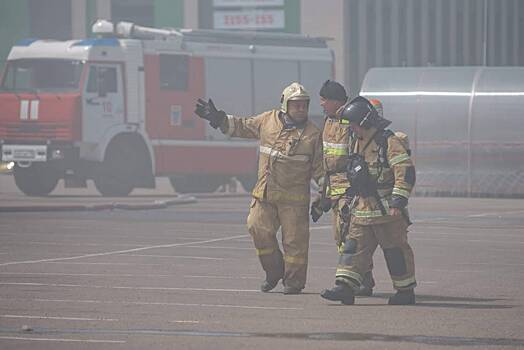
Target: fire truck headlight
point(57, 154)
point(10, 165)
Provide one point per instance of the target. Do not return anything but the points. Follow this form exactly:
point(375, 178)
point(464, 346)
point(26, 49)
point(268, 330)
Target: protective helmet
point(295, 91)
point(360, 111)
point(378, 106)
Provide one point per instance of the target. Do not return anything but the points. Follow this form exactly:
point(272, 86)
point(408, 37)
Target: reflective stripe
point(230, 125)
point(335, 145)
point(265, 251)
point(340, 248)
point(401, 192)
point(343, 272)
point(371, 213)
point(398, 159)
point(344, 121)
point(408, 282)
point(276, 153)
point(337, 191)
point(294, 260)
point(336, 149)
point(335, 152)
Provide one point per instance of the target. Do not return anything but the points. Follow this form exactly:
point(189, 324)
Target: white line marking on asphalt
point(123, 251)
point(76, 244)
point(489, 263)
point(219, 247)
point(175, 256)
point(65, 285)
point(184, 321)
point(84, 274)
point(495, 213)
point(66, 340)
point(223, 277)
point(102, 263)
point(467, 240)
point(145, 303)
point(60, 318)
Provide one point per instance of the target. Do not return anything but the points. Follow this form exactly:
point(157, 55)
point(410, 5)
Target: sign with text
point(250, 19)
point(247, 3)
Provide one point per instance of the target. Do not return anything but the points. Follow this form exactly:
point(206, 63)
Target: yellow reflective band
point(337, 191)
point(335, 152)
point(344, 121)
point(266, 251)
point(340, 248)
point(401, 192)
point(405, 283)
point(398, 159)
point(294, 260)
point(335, 149)
point(371, 213)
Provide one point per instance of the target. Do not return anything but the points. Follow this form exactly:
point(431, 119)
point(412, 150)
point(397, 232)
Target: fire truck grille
point(40, 131)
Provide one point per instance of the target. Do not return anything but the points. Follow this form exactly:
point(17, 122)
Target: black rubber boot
point(403, 297)
point(288, 290)
point(340, 292)
point(266, 286)
point(366, 288)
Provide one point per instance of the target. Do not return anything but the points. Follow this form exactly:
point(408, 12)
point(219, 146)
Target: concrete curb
point(183, 199)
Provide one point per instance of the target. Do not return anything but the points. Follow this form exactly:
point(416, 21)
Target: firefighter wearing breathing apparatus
point(336, 137)
point(382, 177)
point(290, 156)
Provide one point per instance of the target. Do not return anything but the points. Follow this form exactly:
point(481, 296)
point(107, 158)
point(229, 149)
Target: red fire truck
point(118, 109)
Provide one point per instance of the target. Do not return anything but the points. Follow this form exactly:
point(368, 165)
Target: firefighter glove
point(208, 111)
point(316, 210)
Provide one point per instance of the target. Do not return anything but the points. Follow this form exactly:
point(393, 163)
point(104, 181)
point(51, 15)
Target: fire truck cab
point(118, 109)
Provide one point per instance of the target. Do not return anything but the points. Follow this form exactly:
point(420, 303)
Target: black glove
point(316, 210)
point(398, 202)
point(208, 111)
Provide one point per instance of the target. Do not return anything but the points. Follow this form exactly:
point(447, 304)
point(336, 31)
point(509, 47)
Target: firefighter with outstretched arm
point(290, 156)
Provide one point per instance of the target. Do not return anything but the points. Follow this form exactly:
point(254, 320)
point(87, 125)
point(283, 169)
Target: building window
point(174, 72)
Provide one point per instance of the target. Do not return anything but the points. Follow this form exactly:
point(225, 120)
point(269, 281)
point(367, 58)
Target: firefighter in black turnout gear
point(382, 177)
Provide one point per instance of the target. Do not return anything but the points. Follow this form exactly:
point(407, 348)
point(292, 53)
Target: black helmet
point(332, 90)
point(360, 111)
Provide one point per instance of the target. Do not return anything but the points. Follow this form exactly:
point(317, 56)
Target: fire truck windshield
point(41, 74)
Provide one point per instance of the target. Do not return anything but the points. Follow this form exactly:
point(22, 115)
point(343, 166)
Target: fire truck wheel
point(115, 175)
point(38, 179)
point(196, 183)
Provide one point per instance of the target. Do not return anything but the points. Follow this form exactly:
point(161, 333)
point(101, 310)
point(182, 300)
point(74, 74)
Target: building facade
point(365, 33)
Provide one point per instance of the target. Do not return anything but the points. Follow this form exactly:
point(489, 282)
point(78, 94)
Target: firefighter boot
point(340, 292)
point(288, 290)
point(366, 288)
point(266, 286)
point(403, 297)
point(273, 264)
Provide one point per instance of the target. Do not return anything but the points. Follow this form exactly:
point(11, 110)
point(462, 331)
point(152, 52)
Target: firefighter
point(290, 156)
point(382, 176)
point(336, 138)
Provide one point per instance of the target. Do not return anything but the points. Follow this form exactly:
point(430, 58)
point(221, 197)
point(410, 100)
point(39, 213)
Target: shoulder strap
point(382, 141)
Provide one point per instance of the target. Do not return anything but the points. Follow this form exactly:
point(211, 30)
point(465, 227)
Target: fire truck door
point(103, 101)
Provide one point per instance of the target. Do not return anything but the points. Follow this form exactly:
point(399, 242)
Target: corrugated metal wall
point(386, 33)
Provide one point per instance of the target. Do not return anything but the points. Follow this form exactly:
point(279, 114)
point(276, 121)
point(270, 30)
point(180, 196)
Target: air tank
point(466, 125)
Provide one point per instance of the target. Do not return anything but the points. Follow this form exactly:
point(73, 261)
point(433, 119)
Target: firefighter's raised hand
point(208, 111)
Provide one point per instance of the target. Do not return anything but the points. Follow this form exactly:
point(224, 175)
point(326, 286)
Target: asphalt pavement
point(186, 277)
